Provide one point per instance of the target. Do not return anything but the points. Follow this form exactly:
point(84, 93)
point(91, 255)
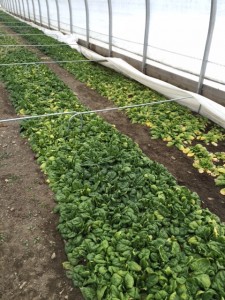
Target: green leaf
point(174, 296)
point(129, 281)
point(101, 292)
point(203, 281)
point(133, 266)
point(88, 293)
point(219, 283)
point(200, 266)
point(116, 279)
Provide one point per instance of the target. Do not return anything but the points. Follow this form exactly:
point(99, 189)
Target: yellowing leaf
point(149, 124)
point(222, 191)
point(186, 150)
point(221, 170)
point(190, 154)
point(22, 111)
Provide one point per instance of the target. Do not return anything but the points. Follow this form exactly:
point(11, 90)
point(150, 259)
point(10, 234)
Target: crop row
point(171, 122)
point(131, 232)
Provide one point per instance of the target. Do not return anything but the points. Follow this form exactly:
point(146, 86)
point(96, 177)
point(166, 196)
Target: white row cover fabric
point(198, 103)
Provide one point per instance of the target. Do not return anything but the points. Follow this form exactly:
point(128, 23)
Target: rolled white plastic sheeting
point(197, 103)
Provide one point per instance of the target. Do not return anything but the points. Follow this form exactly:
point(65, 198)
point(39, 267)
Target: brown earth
point(31, 249)
point(28, 237)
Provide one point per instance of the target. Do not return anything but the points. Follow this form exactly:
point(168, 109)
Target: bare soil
point(29, 240)
point(31, 249)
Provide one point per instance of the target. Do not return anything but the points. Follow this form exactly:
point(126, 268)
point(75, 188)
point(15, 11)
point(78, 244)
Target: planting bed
point(195, 136)
point(131, 231)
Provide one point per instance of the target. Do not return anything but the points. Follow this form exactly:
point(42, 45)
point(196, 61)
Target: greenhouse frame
point(112, 149)
point(191, 57)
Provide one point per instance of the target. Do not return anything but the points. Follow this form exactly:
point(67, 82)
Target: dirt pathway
point(31, 250)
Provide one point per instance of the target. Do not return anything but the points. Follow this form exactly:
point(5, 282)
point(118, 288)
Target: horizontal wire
point(12, 34)
point(75, 113)
point(134, 42)
point(10, 22)
point(29, 45)
point(53, 62)
point(22, 26)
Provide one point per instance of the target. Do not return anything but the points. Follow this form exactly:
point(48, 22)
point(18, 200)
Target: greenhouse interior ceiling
point(177, 41)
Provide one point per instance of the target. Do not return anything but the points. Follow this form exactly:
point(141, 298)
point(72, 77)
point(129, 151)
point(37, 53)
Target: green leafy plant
point(131, 231)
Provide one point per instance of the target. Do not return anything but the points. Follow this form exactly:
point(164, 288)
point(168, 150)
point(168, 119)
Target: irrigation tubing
point(53, 62)
point(76, 113)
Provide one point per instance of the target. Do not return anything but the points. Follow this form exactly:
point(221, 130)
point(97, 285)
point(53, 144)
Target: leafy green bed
point(171, 122)
point(131, 232)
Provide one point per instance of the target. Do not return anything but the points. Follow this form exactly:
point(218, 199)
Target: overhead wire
point(52, 62)
point(76, 113)
point(30, 45)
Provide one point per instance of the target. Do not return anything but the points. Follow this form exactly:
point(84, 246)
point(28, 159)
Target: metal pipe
point(87, 22)
point(3, 4)
point(34, 11)
point(58, 14)
point(20, 10)
point(110, 27)
point(207, 45)
point(71, 16)
point(48, 14)
point(40, 12)
point(14, 9)
point(10, 5)
point(7, 5)
point(75, 113)
point(28, 9)
point(17, 9)
point(24, 14)
point(145, 48)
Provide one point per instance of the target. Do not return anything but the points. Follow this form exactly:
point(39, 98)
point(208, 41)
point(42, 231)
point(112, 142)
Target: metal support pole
point(28, 8)
point(10, 6)
point(24, 15)
point(34, 11)
point(17, 10)
point(207, 45)
point(110, 26)
point(71, 16)
point(14, 8)
point(48, 14)
point(145, 47)
point(20, 10)
point(58, 14)
point(40, 12)
point(87, 23)
point(3, 4)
